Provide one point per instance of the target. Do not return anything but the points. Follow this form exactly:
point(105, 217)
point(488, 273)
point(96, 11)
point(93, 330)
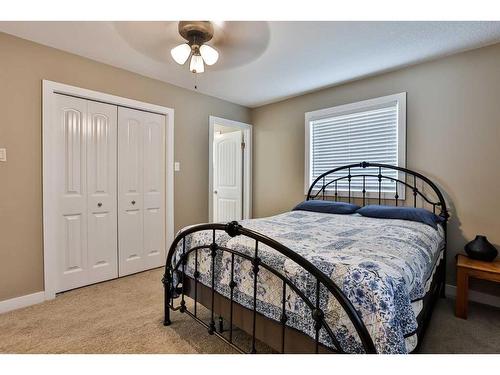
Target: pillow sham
point(404, 213)
point(327, 207)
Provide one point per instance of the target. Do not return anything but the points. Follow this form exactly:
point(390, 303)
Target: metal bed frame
point(322, 188)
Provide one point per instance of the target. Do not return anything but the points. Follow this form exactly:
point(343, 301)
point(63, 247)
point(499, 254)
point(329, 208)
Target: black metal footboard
point(322, 283)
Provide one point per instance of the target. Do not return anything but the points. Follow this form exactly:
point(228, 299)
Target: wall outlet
point(3, 154)
point(177, 166)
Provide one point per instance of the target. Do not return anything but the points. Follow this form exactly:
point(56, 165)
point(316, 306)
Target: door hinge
point(242, 144)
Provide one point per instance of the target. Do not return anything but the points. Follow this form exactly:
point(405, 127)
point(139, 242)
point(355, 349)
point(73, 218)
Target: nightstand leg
point(462, 293)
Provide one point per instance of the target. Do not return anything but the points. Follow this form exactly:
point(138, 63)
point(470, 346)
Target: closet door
point(70, 120)
point(141, 190)
point(101, 192)
point(130, 191)
point(85, 135)
point(154, 190)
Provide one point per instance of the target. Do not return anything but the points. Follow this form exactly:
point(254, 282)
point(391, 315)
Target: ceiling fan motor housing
point(196, 32)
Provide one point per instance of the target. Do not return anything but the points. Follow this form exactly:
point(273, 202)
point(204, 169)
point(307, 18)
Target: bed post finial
point(445, 214)
point(233, 228)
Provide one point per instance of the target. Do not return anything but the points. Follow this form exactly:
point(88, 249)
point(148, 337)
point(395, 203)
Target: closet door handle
point(133, 202)
point(99, 204)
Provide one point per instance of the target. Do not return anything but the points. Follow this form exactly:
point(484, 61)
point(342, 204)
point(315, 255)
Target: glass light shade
point(181, 53)
point(209, 54)
point(196, 65)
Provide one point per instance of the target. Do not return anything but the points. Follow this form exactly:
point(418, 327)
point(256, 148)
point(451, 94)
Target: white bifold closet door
point(86, 186)
point(141, 190)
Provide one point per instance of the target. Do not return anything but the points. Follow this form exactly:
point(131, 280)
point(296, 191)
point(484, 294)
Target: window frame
point(344, 109)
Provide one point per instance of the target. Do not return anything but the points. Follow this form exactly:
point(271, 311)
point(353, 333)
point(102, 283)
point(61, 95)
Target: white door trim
point(247, 164)
point(49, 90)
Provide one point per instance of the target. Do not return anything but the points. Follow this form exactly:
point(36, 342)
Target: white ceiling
point(287, 59)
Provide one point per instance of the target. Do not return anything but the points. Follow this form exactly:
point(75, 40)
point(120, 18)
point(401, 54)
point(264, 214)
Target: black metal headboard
point(405, 180)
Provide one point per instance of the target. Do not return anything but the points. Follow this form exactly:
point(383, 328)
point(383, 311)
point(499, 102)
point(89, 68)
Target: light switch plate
point(177, 166)
point(3, 154)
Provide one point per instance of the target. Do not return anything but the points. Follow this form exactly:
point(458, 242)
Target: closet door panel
point(70, 122)
point(130, 191)
point(154, 190)
point(102, 194)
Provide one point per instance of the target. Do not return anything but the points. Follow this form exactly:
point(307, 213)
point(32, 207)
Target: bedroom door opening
point(230, 145)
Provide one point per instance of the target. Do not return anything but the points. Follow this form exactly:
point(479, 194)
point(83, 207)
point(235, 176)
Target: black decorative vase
point(479, 248)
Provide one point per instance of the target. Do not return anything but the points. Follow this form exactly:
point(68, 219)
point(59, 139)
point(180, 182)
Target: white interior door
point(85, 140)
point(101, 188)
point(130, 192)
point(227, 177)
point(71, 119)
point(141, 190)
point(154, 190)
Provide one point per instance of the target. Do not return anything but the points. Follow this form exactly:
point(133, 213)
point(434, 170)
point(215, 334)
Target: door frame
point(49, 90)
point(247, 163)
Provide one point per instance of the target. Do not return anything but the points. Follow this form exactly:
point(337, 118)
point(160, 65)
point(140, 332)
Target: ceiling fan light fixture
point(196, 33)
point(181, 53)
point(196, 65)
point(209, 54)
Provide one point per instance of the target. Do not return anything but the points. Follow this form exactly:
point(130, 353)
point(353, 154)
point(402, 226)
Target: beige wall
point(453, 136)
point(23, 66)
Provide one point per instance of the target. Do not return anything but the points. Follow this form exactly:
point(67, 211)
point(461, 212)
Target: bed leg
point(221, 324)
point(166, 289)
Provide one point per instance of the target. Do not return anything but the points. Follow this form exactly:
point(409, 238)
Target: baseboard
point(23, 301)
point(485, 299)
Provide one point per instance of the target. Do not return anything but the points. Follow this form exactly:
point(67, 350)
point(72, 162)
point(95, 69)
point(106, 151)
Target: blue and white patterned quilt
point(382, 265)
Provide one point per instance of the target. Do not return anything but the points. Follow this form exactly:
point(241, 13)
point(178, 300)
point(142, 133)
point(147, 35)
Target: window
point(372, 130)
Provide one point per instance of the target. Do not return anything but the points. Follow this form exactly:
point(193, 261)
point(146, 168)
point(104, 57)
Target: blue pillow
point(404, 213)
point(327, 207)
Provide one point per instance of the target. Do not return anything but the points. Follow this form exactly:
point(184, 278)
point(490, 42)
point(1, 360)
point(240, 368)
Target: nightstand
point(467, 268)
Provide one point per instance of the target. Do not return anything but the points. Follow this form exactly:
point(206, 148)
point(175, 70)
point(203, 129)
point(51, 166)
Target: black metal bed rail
point(233, 229)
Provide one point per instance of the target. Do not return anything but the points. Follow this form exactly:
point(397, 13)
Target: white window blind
point(365, 131)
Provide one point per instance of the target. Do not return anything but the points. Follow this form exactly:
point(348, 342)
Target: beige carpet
point(125, 316)
point(118, 316)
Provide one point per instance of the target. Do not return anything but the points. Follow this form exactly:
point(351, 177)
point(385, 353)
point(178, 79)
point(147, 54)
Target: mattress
point(384, 267)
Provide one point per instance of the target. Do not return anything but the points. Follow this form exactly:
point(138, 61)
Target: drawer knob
point(99, 204)
point(133, 202)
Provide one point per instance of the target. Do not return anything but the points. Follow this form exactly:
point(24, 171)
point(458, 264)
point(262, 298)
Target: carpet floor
point(125, 316)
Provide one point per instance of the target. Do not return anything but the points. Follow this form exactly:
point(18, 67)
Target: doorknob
point(99, 204)
point(215, 191)
point(133, 202)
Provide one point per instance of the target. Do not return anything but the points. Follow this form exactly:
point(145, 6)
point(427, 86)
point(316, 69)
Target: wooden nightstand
point(466, 268)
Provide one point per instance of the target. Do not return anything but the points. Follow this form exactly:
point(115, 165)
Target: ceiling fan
point(196, 33)
point(236, 43)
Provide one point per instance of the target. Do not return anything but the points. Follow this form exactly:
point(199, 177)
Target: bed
point(318, 282)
